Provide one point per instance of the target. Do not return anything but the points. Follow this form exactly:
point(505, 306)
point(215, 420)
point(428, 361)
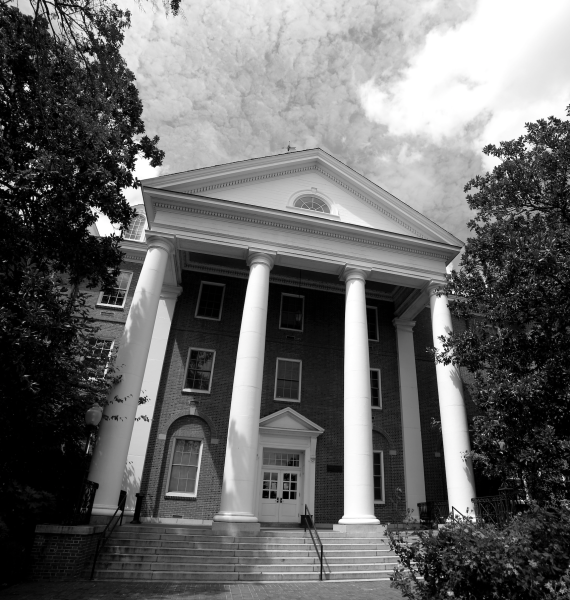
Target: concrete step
point(167, 553)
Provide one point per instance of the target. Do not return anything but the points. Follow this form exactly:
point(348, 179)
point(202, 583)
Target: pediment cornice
point(206, 181)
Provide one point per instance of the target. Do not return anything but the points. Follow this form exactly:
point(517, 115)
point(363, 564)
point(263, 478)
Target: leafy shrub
point(529, 559)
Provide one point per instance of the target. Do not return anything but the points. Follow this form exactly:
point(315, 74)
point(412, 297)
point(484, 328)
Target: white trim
point(172, 445)
point(300, 436)
point(275, 397)
point(381, 452)
point(377, 338)
point(302, 312)
point(99, 303)
point(196, 315)
point(193, 390)
point(379, 371)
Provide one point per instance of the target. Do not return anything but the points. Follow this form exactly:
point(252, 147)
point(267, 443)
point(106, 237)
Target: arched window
point(136, 228)
point(312, 203)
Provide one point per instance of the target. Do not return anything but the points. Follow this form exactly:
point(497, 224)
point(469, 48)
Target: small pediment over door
point(289, 421)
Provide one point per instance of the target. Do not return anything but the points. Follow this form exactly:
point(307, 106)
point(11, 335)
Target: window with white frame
point(288, 380)
point(210, 300)
point(378, 467)
point(117, 295)
point(312, 203)
point(199, 370)
point(184, 467)
point(101, 354)
point(375, 388)
point(136, 228)
point(291, 316)
point(372, 320)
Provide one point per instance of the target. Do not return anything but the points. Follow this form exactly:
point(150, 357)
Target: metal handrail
point(453, 512)
point(321, 555)
point(106, 533)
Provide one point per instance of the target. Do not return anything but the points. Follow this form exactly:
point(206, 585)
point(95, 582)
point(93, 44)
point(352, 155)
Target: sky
point(406, 92)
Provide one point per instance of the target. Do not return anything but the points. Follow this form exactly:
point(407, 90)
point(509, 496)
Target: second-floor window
point(288, 380)
point(117, 295)
point(199, 370)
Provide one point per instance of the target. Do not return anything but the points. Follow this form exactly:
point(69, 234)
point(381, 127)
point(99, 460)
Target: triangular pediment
point(274, 182)
point(290, 420)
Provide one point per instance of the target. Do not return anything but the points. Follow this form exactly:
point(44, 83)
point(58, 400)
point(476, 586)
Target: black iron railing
point(116, 519)
point(309, 523)
point(81, 511)
point(433, 513)
point(497, 509)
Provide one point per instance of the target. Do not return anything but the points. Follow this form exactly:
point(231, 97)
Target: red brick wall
point(321, 348)
point(62, 556)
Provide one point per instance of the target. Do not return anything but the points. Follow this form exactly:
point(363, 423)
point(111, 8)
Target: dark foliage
point(514, 290)
point(70, 132)
point(527, 560)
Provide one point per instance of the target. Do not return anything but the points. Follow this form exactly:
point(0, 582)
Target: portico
point(260, 243)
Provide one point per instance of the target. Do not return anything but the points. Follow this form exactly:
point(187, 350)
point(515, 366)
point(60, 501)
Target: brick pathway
point(106, 590)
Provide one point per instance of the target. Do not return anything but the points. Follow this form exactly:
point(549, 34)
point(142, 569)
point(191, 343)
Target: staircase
point(173, 553)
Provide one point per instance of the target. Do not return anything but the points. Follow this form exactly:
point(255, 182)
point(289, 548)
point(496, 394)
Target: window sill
point(192, 391)
point(110, 306)
point(208, 318)
point(376, 408)
point(290, 329)
point(180, 496)
point(379, 502)
point(287, 400)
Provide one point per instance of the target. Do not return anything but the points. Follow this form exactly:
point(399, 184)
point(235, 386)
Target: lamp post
point(93, 417)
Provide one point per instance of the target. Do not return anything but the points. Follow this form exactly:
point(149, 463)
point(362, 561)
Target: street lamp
point(93, 417)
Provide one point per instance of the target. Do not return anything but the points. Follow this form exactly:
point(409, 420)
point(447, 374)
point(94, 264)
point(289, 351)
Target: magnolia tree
point(513, 289)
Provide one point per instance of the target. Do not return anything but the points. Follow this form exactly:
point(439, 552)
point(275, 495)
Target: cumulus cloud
point(507, 64)
point(236, 79)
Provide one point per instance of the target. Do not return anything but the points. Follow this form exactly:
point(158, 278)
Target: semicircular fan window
point(312, 203)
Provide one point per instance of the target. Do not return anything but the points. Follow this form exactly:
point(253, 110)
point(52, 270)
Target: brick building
point(276, 313)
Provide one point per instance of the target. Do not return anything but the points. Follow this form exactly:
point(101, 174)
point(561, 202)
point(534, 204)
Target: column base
point(361, 530)
point(237, 528)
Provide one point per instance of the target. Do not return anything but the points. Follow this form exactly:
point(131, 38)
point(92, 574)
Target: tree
point(70, 132)
point(513, 289)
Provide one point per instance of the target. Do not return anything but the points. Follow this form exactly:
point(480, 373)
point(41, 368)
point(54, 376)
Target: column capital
point(170, 291)
point(260, 257)
point(155, 241)
point(433, 286)
point(351, 272)
point(404, 325)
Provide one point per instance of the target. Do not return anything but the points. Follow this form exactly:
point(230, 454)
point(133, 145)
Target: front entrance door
point(280, 487)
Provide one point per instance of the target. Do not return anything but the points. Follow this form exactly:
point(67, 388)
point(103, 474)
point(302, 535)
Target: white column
point(358, 455)
point(410, 410)
point(110, 454)
point(237, 504)
point(454, 427)
point(141, 430)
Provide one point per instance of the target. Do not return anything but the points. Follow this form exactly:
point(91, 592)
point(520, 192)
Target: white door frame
point(288, 430)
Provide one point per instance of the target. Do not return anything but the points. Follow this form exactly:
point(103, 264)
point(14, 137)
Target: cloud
point(403, 91)
point(507, 64)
